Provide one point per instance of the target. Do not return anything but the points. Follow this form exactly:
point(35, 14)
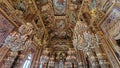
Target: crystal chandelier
point(83, 39)
point(21, 39)
point(44, 59)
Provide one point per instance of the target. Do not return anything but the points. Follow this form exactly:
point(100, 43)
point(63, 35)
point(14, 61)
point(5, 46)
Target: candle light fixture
point(83, 39)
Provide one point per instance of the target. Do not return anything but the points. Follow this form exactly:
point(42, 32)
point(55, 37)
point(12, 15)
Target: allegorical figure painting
point(59, 7)
point(111, 28)
point(60, 24)
point(92, 4)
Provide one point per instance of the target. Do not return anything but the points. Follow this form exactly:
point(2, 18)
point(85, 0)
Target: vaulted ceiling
point(54, 23)
point(53, 19)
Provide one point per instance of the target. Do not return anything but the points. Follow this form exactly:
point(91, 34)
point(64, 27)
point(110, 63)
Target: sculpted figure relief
point(19, 40)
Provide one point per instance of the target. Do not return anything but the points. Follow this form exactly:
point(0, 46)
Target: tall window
point(28, 61)
point(40, 65)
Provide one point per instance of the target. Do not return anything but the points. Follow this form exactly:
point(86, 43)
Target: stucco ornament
point(20, 40)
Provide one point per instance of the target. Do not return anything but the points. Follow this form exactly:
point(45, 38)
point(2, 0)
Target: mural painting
point(111, 28)
point(107, 5)
point(60, 24)
point(59, 7)
point(60, 30)
point(5, 28)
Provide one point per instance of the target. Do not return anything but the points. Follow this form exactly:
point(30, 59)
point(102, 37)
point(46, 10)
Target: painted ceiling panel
point(59, 7)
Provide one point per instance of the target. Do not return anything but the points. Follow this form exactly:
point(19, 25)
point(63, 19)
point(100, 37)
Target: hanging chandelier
point(83, 39)
point(44, 59)
point(21, 39)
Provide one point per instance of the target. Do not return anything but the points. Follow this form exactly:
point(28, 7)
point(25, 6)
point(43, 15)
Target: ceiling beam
point(80, 10)
point(4, 13)
point(39, 14)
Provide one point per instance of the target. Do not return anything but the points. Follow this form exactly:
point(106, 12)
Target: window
point(40, 65)
point(28, 61)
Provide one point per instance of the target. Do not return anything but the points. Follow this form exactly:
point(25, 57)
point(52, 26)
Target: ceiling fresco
point(59, 7)
point(52, 18)
point(73, 8)
point(59, 20)
point(64, 31)
point(56, 24)
point(59, 30)
point(24, 8)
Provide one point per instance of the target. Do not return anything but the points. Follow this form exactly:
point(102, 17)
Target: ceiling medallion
point(84, 40)
point(20, 40)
